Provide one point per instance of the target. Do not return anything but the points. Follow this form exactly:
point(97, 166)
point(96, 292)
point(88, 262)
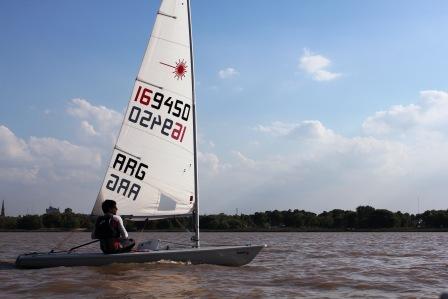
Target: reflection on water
point(316, 265)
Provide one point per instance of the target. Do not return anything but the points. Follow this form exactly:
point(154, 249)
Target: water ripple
point(295, 265)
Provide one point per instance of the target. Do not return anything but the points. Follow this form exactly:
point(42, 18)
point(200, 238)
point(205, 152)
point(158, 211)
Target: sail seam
point(157, 86)
point(178, 93)
point(160, 87)
point(166, 15)
point(170, 41)
point(137, 157)
point(146, 82)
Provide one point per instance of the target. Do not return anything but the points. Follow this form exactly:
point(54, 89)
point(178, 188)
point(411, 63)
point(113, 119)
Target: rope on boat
point(181, 225)
point(76, 247)
point(63, 241)
point(73, 248)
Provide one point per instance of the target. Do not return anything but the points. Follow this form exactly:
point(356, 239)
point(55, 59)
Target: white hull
point(225, 256)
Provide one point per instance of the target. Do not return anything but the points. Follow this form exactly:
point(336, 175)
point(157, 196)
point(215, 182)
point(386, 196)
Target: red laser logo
point(180, 69)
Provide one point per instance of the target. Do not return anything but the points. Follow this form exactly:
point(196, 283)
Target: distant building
point(52, 210)
point(3, 209)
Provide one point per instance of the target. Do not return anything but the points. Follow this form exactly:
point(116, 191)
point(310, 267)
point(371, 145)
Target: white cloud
point(244, 160)
point(12, 147)
point(276, 128)
point(323, 75)
point(431, 114)
point(322, 172)
point(63, 153)
point(304, 129)
point(397, 117)
point(317, 66)
point(39, 169)
point(88, 128)
point(228, 73)
point(305, 165)
point(209, 162)
point(24, 175)
point(47, 156)
point(95, 120)
point(35, 170)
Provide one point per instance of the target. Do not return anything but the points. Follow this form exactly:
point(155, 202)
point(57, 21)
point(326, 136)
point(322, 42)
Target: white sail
point(152, 170)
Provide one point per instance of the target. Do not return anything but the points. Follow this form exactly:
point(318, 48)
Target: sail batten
point(166, 15)
point(152, 169)
point(170, 41)
point(121, 150)
point(153, 85)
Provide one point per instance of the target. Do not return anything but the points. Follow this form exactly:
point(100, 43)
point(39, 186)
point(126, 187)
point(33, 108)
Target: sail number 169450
point(176, 107)
point(152, 120)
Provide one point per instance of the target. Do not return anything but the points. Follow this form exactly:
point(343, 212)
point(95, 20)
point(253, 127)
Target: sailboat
point(153, 171)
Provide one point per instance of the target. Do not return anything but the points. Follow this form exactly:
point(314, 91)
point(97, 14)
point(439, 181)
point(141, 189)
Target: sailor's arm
point(93, 232)
point(121, 228)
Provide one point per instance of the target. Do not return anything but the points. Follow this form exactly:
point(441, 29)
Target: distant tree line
point(67, 220)
point(363, 218)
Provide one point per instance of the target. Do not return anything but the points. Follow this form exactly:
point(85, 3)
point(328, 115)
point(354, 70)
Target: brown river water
point(294, 265)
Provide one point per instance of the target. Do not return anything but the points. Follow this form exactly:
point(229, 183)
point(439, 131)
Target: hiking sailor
point(110, 230)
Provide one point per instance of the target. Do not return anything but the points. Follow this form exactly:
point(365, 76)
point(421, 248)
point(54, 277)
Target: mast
point(196, 206)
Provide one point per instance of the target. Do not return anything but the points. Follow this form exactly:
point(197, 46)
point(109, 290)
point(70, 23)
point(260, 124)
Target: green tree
point(52, 220)
point(69, 220)
point(325, 220)
point(435, 219)
point(31, 222)
point(261, 220)
point(8, 222)
point(382, 218)
point(275, 218)
point(364, 216)
point(350, 219)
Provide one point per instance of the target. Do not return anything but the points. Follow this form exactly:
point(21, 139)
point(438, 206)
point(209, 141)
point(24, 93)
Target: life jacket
point(106, 227)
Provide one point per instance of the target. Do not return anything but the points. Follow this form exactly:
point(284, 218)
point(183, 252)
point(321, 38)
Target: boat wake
point(168, 262)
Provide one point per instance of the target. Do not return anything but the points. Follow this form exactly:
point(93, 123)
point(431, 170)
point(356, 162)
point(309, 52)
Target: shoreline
point(273, 230)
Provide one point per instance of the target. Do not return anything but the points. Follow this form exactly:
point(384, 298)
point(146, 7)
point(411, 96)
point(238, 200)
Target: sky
point(311, 105)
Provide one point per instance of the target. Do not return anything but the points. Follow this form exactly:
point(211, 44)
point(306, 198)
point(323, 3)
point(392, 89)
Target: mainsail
point(152, 170)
